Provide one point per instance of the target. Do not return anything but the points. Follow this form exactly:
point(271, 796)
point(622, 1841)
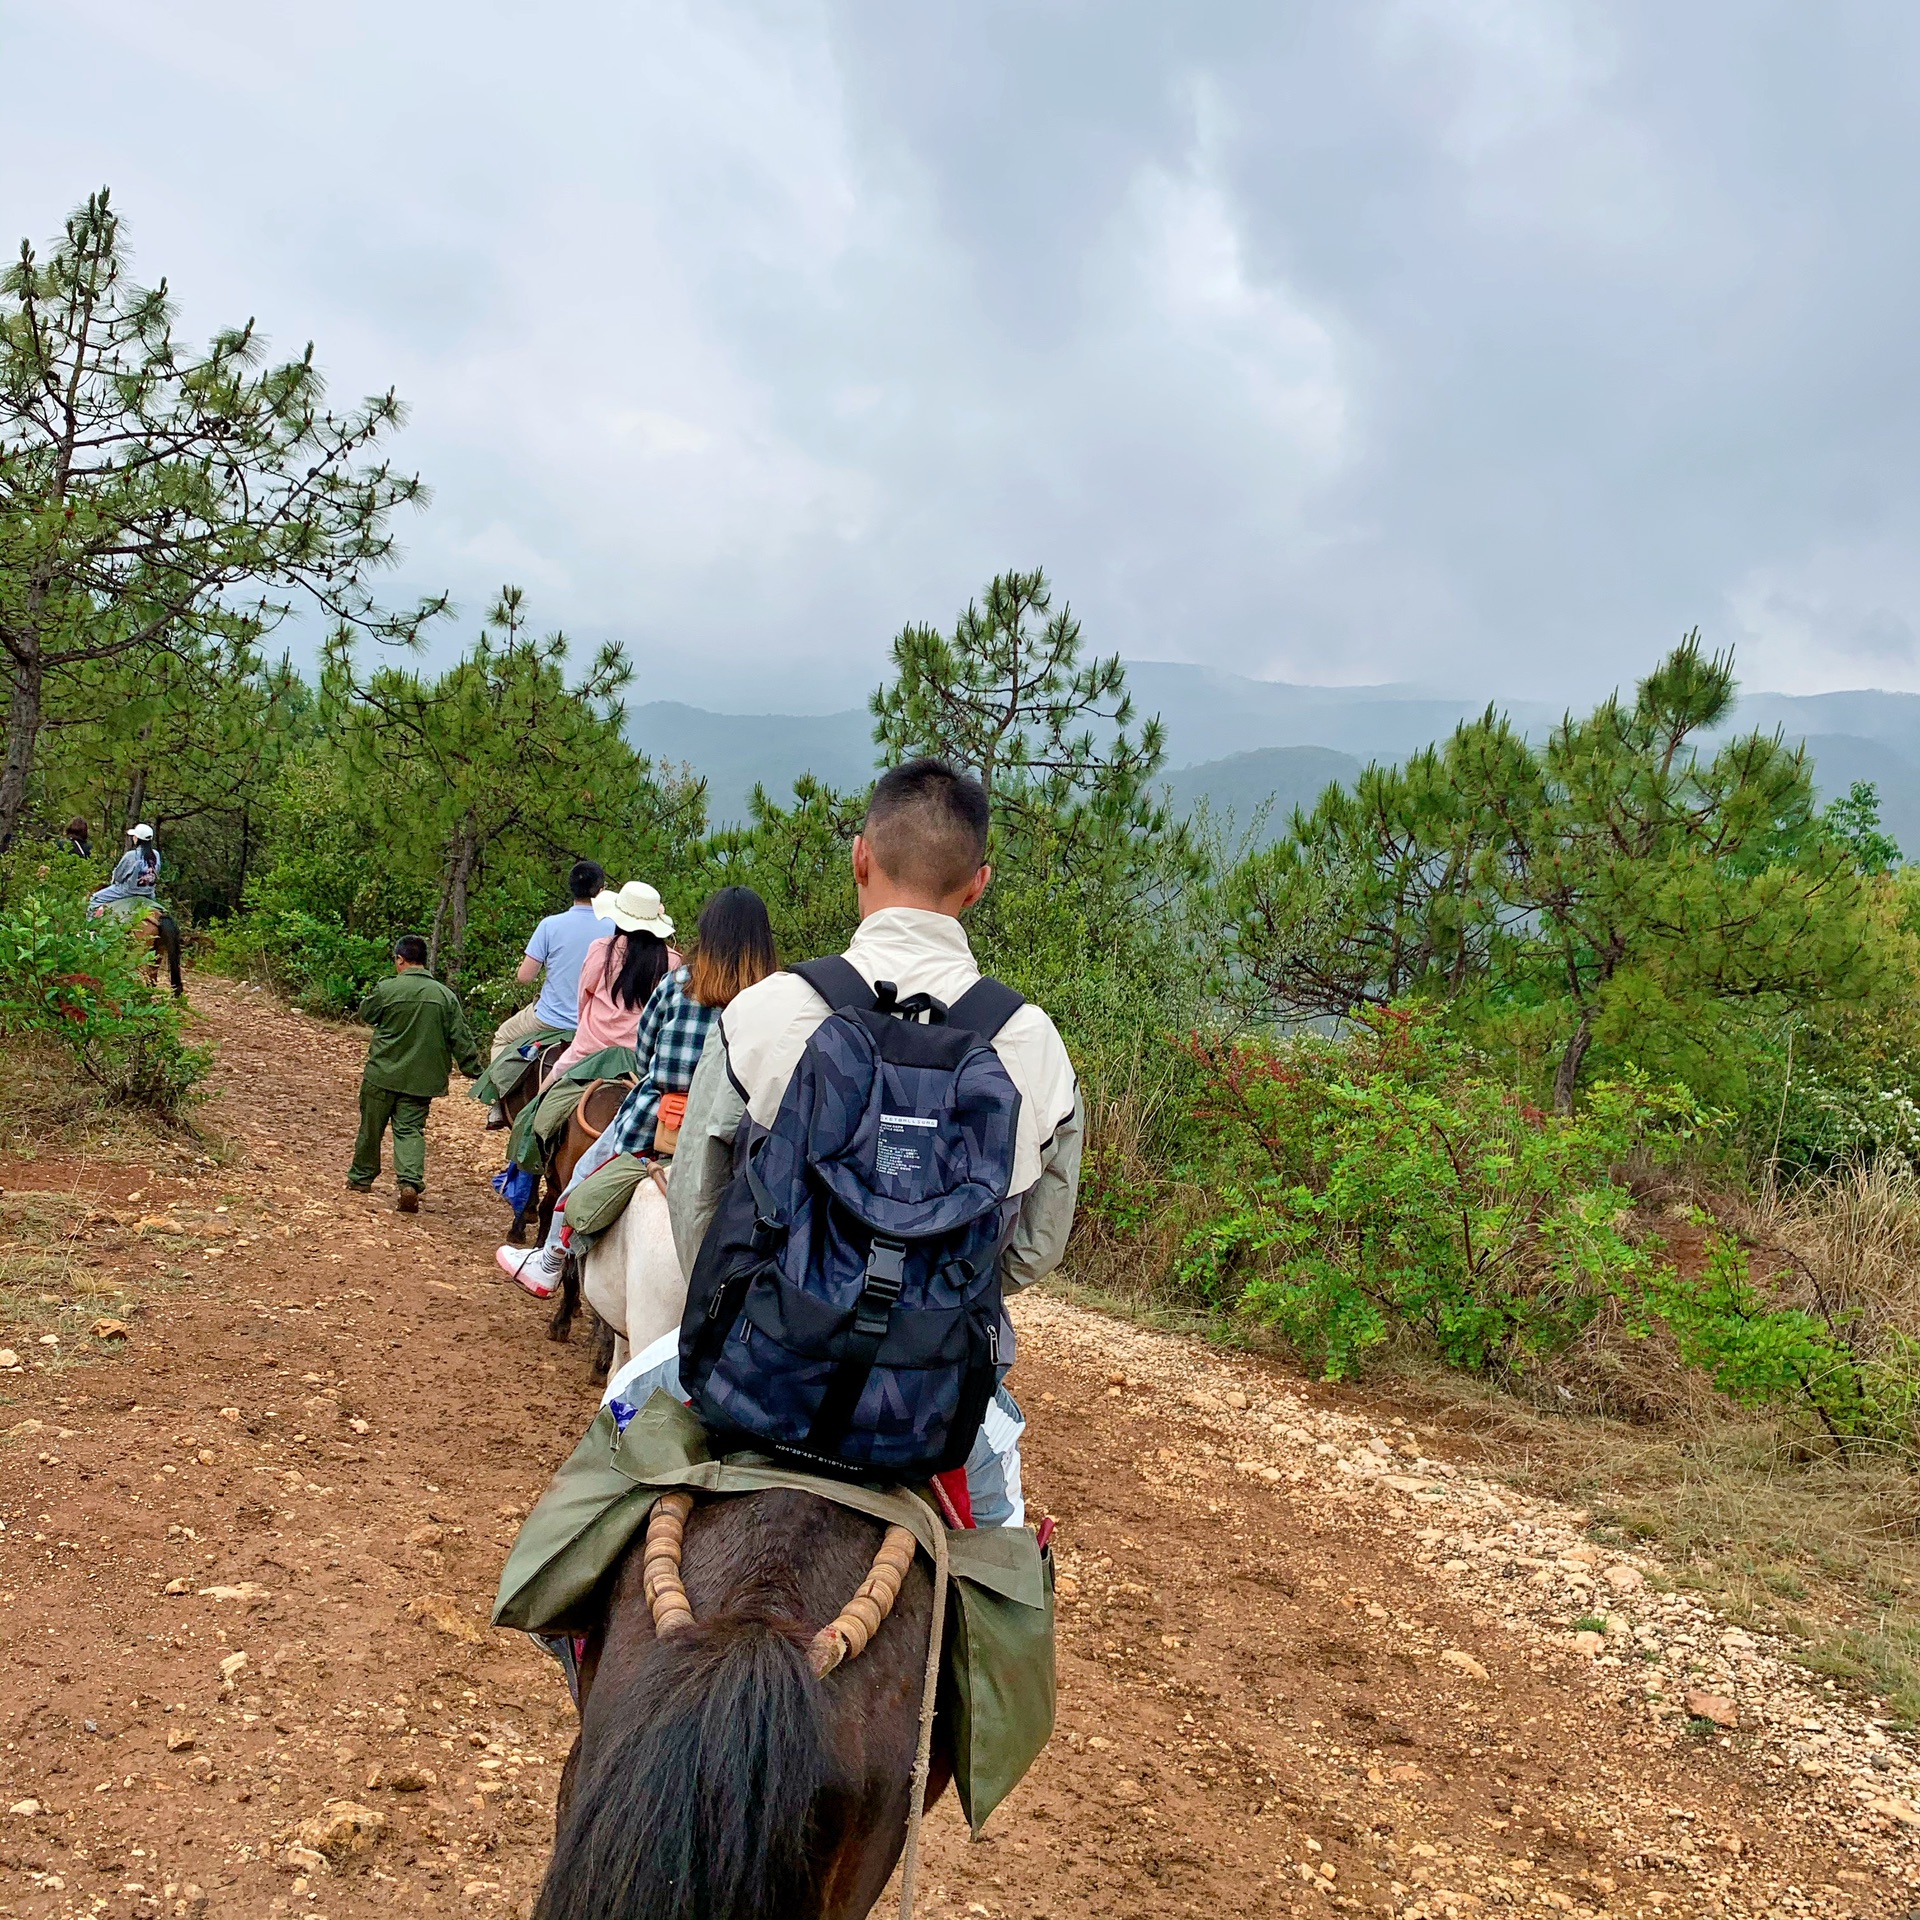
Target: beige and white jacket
point(757, 1042)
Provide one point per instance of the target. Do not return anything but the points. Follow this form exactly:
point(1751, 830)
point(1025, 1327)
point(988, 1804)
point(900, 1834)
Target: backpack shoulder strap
point(837, 981)
point(985, 1007)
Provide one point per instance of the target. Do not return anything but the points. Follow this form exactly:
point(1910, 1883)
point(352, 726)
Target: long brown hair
point(733, 946)
point(636, 963)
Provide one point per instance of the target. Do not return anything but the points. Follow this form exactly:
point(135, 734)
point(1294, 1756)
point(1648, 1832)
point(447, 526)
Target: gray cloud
point(1471, 342)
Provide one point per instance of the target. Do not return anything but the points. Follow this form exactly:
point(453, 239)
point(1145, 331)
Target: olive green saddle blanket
point(997, 1687)
point(500, 1078)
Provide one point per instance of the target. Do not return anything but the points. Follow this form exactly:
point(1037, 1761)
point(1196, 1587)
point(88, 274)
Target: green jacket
point(418, 1032)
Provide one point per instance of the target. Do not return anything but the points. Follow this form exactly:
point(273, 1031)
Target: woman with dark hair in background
point(733, 948)
point(79, 838)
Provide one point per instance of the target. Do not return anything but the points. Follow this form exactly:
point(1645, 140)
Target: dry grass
point(53, 1287)
point(1780, 1531)
point(48, 1107)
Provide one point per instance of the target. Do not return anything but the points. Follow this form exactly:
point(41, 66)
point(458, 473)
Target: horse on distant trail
point(714, 1776)
point(163, 931)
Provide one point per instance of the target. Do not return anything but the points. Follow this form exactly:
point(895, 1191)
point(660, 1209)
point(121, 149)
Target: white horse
point(631, 1275)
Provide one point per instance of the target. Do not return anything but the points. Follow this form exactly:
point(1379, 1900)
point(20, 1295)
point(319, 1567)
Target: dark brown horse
point(585, 1124)
point(515, 1102)
point(161, 931)
point(569, 1303)
point(166, 946)
point(714, 1777)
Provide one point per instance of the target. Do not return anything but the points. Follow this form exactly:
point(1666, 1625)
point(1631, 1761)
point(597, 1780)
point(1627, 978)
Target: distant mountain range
point(1240, 743)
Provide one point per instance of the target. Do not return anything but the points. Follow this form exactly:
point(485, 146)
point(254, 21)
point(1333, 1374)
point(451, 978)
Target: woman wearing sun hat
point(620, 972)
point(617, 978)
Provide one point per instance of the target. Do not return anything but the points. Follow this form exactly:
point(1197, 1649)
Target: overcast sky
point(1485, 344)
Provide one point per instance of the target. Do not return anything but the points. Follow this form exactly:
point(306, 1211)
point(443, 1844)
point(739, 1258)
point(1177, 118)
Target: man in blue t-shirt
point(559, 947)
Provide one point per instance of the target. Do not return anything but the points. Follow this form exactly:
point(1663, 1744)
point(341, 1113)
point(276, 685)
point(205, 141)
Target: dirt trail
point(1305, 1664)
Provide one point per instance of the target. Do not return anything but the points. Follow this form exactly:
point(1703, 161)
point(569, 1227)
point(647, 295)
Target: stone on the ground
point(342, 1828)
point(1712, 1706)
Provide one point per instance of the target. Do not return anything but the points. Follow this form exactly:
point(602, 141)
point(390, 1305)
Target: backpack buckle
point(886, 1000)
point(885, 1278)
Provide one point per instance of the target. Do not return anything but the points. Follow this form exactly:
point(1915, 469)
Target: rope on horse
point(593, 1086)
point(929, 1694)
point(660, 1568)
point(845, 1637)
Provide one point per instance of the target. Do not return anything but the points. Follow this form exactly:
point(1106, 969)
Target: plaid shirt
point(673, 1034)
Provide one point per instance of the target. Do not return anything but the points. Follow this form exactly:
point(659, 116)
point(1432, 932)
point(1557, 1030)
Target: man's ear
point(975, 888)
point(862, 860)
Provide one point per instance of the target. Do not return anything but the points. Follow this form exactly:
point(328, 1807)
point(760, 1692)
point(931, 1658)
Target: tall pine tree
point(160, 500)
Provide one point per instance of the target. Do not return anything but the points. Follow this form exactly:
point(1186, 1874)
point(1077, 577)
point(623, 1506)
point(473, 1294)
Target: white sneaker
point(535, 1268)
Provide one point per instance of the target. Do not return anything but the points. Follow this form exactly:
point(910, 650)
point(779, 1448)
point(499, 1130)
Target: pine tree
point(1008, 697)
point(500, 754)
point(1383, 889)
point(1618, 874)
point(156, 500)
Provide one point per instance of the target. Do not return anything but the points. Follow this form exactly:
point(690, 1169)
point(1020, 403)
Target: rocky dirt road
point(1307, 1663)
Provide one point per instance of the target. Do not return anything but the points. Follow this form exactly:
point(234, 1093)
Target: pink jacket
point(604, 1022)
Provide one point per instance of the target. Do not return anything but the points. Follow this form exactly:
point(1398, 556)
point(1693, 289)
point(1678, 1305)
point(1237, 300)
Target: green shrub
point(1761, 1354)
point(313, 960)
point(78, 983)
point(1383, 1182)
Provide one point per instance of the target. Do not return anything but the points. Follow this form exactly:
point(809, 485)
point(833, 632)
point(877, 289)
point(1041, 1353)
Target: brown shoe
point(409, 1201)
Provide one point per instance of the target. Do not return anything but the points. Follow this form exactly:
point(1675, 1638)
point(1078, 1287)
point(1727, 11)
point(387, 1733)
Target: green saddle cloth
point(997, 1683)
point(501, 1077)
point(605, 1194)
point(540, 1120)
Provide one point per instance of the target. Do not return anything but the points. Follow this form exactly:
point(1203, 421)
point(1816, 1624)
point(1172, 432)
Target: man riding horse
point(556, 950)
point(731, 1761)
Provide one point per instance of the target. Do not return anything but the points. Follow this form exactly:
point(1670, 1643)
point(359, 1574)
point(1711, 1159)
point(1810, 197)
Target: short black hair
point(927, 826)
point(586, 879)
point(412, 949)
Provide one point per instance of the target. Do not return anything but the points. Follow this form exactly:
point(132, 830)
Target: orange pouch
point(666, 1128)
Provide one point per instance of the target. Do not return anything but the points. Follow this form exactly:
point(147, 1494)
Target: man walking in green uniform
point(419, 1031)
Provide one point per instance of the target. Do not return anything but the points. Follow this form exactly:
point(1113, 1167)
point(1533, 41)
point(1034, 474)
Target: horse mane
point(703, 1800)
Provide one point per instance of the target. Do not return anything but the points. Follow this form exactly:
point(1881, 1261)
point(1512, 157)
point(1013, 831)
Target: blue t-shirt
point(560, 944)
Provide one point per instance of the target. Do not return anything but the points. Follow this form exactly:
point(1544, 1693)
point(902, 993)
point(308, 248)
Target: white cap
point(141, 832)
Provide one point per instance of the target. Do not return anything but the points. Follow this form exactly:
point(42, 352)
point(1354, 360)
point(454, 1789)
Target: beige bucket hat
point(636, 908)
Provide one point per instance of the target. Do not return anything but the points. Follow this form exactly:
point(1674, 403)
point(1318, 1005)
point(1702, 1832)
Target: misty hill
point(734, 750)
point(1210, 715)
point(1277, 778)
point(1236, 741)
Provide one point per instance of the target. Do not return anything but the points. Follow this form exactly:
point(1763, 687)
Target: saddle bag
point(845, 1307)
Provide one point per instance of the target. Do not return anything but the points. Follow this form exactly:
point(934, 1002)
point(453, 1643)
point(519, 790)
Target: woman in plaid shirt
point(733, 948)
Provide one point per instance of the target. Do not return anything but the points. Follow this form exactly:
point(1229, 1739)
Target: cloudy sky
point(1484, 344)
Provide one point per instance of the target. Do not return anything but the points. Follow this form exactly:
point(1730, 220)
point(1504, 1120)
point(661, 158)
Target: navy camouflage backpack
point(845, 1304)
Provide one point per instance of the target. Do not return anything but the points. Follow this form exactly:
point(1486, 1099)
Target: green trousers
point(406, 1114)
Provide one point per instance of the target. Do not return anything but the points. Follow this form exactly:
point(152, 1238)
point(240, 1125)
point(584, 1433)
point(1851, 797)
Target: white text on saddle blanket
point(631, 1275)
